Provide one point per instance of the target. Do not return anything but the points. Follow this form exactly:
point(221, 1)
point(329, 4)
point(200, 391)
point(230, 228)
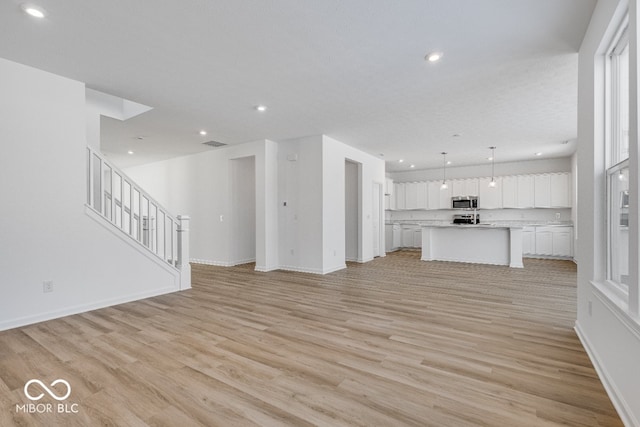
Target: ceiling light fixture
point(412, 166)
point(35, 11)
point(401, 161)
point(538, 154)
point(203, 132)
point(492, 184)
point(434, 56)
point(130, 152)
point(444, 185)
point(261, 108)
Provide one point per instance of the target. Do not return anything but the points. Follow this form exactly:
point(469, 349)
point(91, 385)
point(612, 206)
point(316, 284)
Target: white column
point(183, 252)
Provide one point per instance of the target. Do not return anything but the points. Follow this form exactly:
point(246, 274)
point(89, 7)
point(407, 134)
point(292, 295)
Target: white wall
point(243, 206)
point(372, 171)
point(201, 185)
point(351, 200)
point(300, 188)
point(501, 169)
point(611, 337)
point(45, 232)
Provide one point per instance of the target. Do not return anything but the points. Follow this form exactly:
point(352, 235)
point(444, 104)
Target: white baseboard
point(312, 270)
point(618, 401)
point(68, 311)
point(210, 262)
point(264, 269)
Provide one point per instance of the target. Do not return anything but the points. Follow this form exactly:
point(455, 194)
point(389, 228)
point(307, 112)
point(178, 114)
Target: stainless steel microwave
point(464, 202)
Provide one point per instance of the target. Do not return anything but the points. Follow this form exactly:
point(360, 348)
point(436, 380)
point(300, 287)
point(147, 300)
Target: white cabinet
point(417, 238)
point(561, 242)
point(397, 236)
point(433, 194)
point(422, 195)
point(509, 192)
point(445, 197)
point(388, 237)
point(411, 195)
point(554, 241)
point(388, 187)
point(544, 242)
point(490, 197)
point(542, 191)
point(399, 189)
point(560, 190)
point(525, 194)
point(464, 187)
point(411, 236)
point(528, 240)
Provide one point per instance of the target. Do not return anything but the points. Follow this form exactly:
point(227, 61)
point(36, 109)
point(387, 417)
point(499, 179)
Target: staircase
point(122, 204)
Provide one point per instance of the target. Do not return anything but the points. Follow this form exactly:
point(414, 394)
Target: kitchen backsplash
point(487, 215)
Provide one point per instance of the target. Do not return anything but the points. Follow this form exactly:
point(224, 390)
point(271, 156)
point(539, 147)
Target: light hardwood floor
point(392, 342)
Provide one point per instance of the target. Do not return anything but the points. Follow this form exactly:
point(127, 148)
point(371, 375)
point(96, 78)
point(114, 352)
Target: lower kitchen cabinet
point(528, 240)
point(548, 241)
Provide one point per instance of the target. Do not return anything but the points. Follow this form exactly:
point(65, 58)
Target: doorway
point(352, 205)
point(242, 239)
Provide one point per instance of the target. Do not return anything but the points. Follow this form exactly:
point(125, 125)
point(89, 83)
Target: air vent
point(214, 144)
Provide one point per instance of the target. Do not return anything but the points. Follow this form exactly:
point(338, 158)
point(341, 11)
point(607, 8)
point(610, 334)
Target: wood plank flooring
point(394, 342)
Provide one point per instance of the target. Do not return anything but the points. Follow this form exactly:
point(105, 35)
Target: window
point(617, 186)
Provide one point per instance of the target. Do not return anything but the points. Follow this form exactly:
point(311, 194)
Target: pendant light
point(444, 171)
point(492, 184)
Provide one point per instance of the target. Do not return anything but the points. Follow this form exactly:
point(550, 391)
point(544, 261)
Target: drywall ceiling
point(351, 69)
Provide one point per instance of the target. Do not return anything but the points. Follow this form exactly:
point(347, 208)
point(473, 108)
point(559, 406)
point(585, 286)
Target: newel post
point(183, 252)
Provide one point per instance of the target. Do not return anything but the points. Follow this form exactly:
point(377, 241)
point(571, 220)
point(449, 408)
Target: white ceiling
point(351, 69)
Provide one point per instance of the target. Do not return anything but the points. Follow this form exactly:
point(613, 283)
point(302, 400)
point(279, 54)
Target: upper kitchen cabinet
point(553, 190)
point(561, 190)
point(433, 194)
point(411, 195)
point(490, 197)
point(542, 194)
point(464, 187)
point(399, 190)
point(509, 192)
point(526, 185)
point(388, 187)
point(422, 189)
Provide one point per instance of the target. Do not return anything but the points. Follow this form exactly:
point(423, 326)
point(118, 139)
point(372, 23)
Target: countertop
point(493, 224)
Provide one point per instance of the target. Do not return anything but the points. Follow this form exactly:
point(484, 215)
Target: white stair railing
point(124, 204)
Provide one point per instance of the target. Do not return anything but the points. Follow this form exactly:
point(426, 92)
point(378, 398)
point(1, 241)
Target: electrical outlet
point(557, 216)
point(47, 286)
point(221, 218)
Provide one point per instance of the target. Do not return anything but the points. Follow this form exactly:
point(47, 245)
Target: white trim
point(56, 314)
point(626, 415)
point(263, 269)
point(211, 262)
point(312, 270)
point(617, 306)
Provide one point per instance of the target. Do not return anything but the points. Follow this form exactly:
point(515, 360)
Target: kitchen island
point(479, 244)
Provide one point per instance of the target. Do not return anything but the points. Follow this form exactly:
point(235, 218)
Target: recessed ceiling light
point(401, 161)
point(448, 162)
point(261, 108)
point(489, 158)
point(130, 152)
point(412, 166)
point(31, 10)
point(538, 154)
point(203, 132)
point(140, 138)
point(433, 56)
